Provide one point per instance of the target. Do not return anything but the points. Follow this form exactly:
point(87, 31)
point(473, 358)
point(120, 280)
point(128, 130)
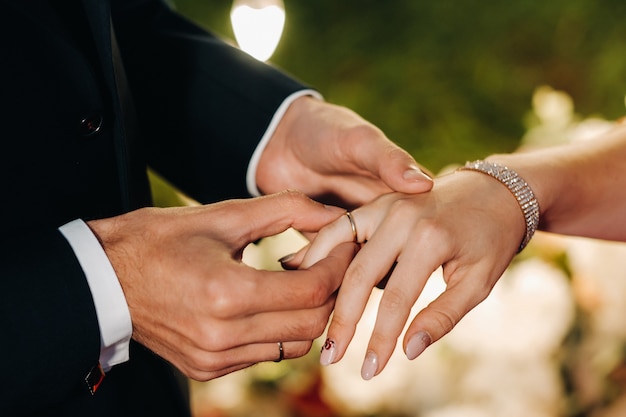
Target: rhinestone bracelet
point(518, 187)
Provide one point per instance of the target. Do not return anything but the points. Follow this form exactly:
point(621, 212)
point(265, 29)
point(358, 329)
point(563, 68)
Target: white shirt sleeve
point(111, 308)
point(256, 156)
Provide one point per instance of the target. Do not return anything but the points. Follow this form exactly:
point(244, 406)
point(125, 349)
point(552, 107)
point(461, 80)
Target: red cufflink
point(94, 378)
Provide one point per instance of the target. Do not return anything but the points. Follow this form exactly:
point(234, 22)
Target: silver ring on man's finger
point(281, 352)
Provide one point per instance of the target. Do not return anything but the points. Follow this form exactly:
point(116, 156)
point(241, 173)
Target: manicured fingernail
point(370, 365)
point(329, 352)
point(417, 344)
point(287, 258)
point(414, 174)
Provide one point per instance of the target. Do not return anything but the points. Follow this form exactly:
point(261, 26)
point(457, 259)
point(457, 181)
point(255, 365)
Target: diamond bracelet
point(518, 187)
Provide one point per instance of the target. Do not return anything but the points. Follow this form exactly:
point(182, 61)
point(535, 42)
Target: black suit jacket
point(67, 152)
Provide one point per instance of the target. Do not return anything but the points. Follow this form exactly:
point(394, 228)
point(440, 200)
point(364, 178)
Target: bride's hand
point(469, 223)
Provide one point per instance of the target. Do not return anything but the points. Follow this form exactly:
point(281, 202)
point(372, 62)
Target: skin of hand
point(471, 225)
point(579, 186)
point(420, 232)
point(333, 155)
point(194, 303)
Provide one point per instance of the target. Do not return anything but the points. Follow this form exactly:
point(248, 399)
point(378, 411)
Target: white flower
point(527, 314)
point(599, 273)
point(513, 387)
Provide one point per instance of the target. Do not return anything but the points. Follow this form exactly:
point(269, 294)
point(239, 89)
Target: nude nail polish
point(417, 344)
point(370, 366)
point(329, 352)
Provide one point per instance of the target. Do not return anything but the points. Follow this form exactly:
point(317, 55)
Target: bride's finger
point(445, 312)
point(406, 283)
point(370, 265)
point(343, 229)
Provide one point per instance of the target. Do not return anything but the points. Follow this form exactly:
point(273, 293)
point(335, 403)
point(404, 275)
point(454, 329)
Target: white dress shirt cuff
point(111, 308)
point(256, 156)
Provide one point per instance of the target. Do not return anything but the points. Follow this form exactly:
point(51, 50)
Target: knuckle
point(430, 228)
point(211, 341)
point(355, 134)
point(432, 232)
point(319, 325)
point(357, 275)
point(203, 376)
point(194, 374)
point(341, 324)
point(481, 291)
point(200, 364)
point(310, 327)
point(223, 301)
point(445, 320)
point(220, 307)
point(382, 342)
point(214, 336)
point(393, 300)
point(402, 209)
point(394, 153)
point(294, 198)
point(319, 294)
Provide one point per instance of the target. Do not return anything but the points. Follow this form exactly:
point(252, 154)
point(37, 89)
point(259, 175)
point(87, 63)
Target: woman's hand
point(469, 223)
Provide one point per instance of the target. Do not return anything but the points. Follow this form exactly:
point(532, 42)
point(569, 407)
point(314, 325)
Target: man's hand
point(333, 155)
point(193, 302)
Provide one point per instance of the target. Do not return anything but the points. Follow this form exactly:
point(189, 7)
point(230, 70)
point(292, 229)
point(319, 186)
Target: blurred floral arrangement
point(549, 341)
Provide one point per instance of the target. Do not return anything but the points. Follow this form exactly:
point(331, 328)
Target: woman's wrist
point(519, 189)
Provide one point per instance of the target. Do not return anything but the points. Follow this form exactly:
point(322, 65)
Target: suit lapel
point(98, 13)
point(99, 17)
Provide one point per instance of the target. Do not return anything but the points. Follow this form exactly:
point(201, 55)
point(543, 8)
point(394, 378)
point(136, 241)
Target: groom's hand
point(332, 154)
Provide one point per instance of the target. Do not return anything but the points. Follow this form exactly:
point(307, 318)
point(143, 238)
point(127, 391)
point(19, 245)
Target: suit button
point(90, 124)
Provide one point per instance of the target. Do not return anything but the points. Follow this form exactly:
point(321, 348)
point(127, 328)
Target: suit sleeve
point(202, 104)
point(36, 367)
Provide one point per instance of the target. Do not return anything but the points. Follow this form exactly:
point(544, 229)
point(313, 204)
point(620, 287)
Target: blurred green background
point(449, 80)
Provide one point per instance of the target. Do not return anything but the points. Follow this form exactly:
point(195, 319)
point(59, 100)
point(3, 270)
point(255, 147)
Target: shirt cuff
point(256, 156)
point(111, 308)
